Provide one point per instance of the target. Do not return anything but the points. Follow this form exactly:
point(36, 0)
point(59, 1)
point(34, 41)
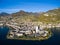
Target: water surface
point(54, 40)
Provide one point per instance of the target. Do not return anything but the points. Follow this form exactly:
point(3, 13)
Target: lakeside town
point(30, 26)
point(28, 29)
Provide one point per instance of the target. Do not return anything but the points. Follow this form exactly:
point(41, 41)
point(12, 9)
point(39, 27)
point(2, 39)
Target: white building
point(19, 34)
point(46, 15)
point(36, 28)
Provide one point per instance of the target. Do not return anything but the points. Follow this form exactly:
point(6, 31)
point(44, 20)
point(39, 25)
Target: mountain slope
point(4, 14)
point(50, 16)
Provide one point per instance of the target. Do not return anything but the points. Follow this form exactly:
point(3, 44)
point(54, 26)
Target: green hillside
point(51, 16)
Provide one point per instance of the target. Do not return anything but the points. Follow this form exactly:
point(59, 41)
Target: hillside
point(23, 16)
point(51, 16)
point(4, 14)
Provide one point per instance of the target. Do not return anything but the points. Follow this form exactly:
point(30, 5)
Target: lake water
point(54, 40)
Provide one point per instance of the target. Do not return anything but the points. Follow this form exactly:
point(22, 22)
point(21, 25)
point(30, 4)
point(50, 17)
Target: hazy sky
point(11, 6)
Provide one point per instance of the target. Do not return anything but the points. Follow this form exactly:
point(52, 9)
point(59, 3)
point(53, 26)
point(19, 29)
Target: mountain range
point(47, 17)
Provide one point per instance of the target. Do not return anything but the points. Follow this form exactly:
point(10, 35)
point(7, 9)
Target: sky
point(12, 6)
